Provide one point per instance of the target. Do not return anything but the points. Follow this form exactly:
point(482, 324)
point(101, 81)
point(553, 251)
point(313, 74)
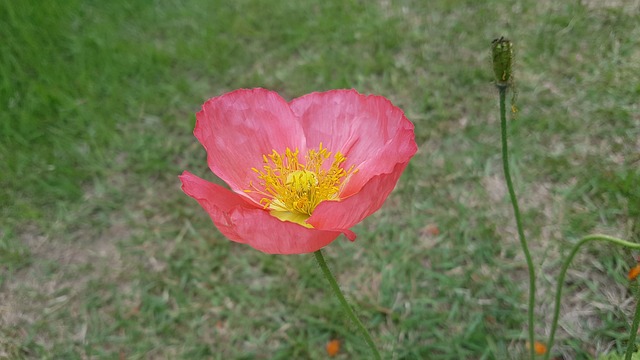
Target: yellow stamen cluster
point(294, 187)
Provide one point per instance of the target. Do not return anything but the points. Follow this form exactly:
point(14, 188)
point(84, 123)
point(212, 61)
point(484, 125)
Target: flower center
point(292, 189)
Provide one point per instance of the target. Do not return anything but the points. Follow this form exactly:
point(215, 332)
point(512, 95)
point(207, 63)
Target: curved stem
point(634, 330)
point(563, 273)
point(345, 305)
point(516, 212)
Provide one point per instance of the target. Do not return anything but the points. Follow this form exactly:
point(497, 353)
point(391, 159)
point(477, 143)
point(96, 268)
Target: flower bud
point(502, 55)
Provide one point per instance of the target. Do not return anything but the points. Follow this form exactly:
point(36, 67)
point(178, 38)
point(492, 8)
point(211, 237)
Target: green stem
point(563, 273)
point(345, 305)
point(634, 330)
point(516, 211)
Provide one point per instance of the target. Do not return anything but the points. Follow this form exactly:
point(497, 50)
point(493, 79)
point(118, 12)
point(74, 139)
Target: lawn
point(102, 256)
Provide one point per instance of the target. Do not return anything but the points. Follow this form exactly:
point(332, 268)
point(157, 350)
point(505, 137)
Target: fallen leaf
point(333, 347)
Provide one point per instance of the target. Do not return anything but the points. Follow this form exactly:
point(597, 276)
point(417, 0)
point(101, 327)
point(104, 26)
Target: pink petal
point(243, 222)
point(370, 131)
point(350, 211)
point(239, 127)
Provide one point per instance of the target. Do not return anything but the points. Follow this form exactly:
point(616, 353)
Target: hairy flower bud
point(502, 56)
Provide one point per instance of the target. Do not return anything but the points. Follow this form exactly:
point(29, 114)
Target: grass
point(102, 256)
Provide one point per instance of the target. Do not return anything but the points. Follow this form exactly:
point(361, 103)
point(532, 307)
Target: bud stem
point(502, 90)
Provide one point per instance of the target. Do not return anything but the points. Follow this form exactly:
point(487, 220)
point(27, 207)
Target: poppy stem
point(502, 89)
point(634, 330)
point(345, 305)
point(560, 284)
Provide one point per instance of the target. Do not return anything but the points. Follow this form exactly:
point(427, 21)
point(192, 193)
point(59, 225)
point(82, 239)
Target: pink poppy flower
point(300, 173)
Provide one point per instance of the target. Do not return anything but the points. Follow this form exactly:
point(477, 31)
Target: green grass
point(102, 256)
